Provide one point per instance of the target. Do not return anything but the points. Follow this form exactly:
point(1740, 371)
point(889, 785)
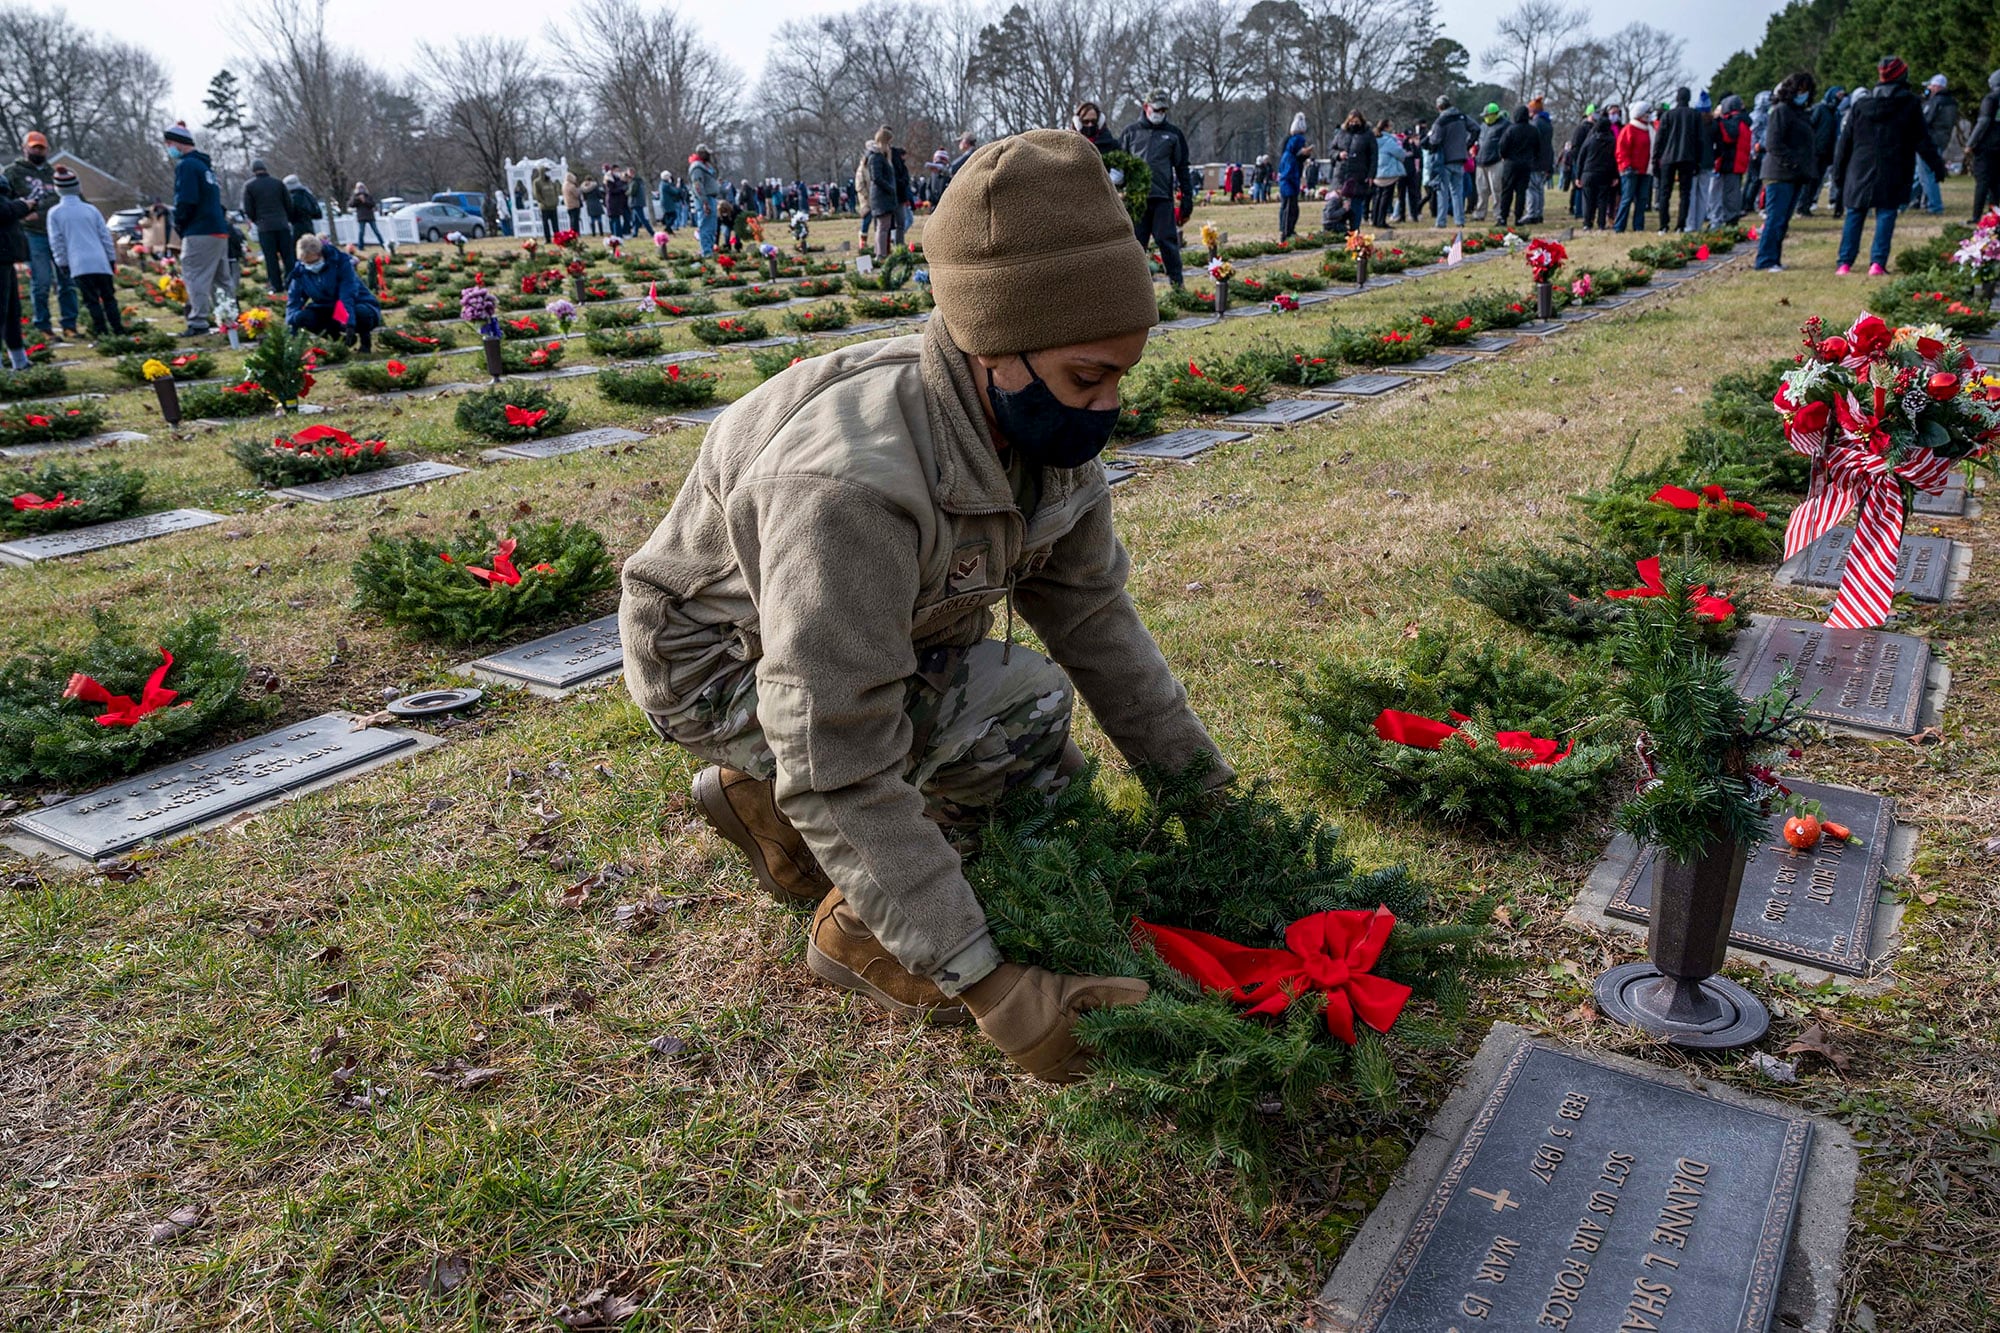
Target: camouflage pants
point(981, 728)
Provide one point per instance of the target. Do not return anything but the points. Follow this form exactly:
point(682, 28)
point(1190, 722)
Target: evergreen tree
point(229, 121)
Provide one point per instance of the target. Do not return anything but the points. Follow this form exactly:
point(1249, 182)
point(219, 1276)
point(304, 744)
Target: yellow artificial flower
point(156, 369)
point(1210, 238)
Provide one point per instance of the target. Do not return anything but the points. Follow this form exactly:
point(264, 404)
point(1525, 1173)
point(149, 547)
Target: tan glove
point(1031, 1012)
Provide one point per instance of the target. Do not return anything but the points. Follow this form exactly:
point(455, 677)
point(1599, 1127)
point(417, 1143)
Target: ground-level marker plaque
point(1948, 503)
point(1189, 322)
point(1282, 412)
point(574, 443)
point(1118, 476)
point(184, 796)
point(557, 663)
point(370, 483)
point(1364, 386)
point(700, 416)
point(1181, 444)
point(1490, 342)
point(1869, 679)
point(1817, 907)
point(1436, 363)
point(1669, 1204)
point(1923, 564)
point(99, 536)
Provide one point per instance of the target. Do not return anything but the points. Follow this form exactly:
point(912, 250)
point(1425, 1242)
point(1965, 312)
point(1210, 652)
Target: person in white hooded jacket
point(84, 252)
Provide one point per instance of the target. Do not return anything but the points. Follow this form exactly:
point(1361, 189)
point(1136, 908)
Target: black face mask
point(38, 158)
point(1048, 431)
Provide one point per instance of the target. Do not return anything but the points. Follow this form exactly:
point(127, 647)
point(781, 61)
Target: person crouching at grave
point(325, 295)
point(811, 617)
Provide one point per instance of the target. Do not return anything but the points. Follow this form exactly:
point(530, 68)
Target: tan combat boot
point(843, 952)
point(744, 810)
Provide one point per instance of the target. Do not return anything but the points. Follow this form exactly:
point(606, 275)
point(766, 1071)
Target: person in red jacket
point(1635, 185)
point(1733, 141)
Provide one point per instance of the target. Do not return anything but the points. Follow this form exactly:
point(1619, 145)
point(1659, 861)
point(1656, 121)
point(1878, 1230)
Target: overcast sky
point(195, 38)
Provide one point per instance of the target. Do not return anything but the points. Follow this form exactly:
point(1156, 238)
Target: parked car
point(472, 201)
point(387, 206)
point(127, 222)
point(436, 221)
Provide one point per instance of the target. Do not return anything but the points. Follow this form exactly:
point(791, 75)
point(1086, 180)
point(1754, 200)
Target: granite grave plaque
point(1181, 443)
point(562, 660)
point(370, 483)
point(98, 536)
point(1189, 322)
point(574, 443)
point(778, 340)
point(1246, 311)
point(176, 798)
point(1865, 678)
point(73, 446)
point(1814, 907)
point(1436, 363)
point(1282, 412)
point(1491, 342)
point(1575, 314)
point(855, 330)
point(1948, 503)
point(700, 416)
point(1923, 565)
point(1586, 1198)
point(1364, 386)
point(1540, 329)
point(1118, 476)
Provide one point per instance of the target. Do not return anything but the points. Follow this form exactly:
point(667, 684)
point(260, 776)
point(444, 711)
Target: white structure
point(528, 217)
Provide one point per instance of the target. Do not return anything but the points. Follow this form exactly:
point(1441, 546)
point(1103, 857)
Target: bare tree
point(318, 103)
point(97, 98)
point(485, 90)
point(1531, 37)
point(1641, 61)
point(655, 84)
point(1037, 60)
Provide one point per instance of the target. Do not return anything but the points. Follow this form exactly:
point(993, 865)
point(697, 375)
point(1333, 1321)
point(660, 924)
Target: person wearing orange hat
point(32, 177)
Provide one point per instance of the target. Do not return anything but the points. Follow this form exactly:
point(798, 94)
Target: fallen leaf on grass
point(328, 956)
point(666, 1044)
point(1814, 1041)
point(448, 1273)
point(330, 1045)
point(576, 895)
point(121, 870)
point(642, 916)
point(333, 991)
point(601, 1308)
point(367, 720)
point(456, 1074)
point(175, 1225)
point(1928, 736)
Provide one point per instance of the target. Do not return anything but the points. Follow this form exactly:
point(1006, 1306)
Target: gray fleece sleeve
point(835, 576)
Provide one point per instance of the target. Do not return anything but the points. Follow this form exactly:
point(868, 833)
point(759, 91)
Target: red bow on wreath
point(521, 416)
point(1712, 496)
point(1425, 733)
point(1705, 606)
point(503, 570)
point(1328, 952)
point(29, 500)
point(120, 711)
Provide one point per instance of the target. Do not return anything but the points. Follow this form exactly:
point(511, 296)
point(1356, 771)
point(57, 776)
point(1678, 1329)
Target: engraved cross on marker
point(1501, 1201)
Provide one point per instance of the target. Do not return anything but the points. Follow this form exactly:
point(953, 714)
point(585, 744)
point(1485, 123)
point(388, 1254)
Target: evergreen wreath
point(1225, 385)
point(1174, 302)
point(35, 382)
point(728, 329)
point(186, 366)
point(666, 386)
point(63, 495)
point(486, 413)
point(817, 287)
point(313, 454)
point(138, 340)
point(475, 587)
point(887, 305)
point(1467, 777)
point(768, 361)
point(1134, 180)
point(328, 351)
point(1062, 883)
point(46, 737)
point(207, 401)
point(42, 423)
point(624, 342)
point(611, 317)
point(681, 306)
point(389, 376)
point(411, 342)
point(746, 297)
point(1285, 280)
point(520, 359)
point(599, 288)
point(1558, 593)
point(1640, 522)
point(1290, 365)
point(821, 318)
point(890, 273)
point(525, 328)
point(1377, 344)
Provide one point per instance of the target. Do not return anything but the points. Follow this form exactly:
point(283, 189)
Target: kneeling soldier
point(811, 616)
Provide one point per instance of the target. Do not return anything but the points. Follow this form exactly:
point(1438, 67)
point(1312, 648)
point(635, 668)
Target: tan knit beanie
point(1031, 247)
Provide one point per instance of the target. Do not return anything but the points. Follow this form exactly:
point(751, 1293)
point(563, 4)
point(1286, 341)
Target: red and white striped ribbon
point(1848, 474)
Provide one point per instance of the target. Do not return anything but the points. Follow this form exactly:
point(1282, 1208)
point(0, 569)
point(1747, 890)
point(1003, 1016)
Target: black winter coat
point(1451, 135)
point(267, 203)
point(1597, 163)
point(1520, 144)
point(1681, 137)
point(1545, 156)
point(1164, 150)
point(1825, 131)
point(1354, 153)
point(1876, 157)
point(1790, 153)
point(13, 240)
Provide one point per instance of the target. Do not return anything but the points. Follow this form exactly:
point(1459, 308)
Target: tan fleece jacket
point(839, 518)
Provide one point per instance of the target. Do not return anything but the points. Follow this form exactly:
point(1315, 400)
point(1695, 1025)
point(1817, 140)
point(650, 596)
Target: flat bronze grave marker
point(100, 536)
point(1948, 503)
point(1189, 322)
point(1246, 311)
point(574, 443)
point(1491, 342)
point(1540, 329)
point(73, 446)
point(1118, 476)
point(699, 416)
point(179, 797)
point(1181, 443)
point(755, 344)
point(1587, 1198)
point(1283, 412)
point(1814, 907)
point(560, 661)
point(1870, 679)
point(1364, 386)
point(1575, 314)
point(370, 483)
point(1923, 565)
point(1436, 363)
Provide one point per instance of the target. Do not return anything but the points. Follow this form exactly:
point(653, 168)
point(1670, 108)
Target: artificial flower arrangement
point(62, 495)
point(1545, 258)
point(186, 366)
point(1979, 254)
point(1360, 245)
point(478, 586)
point(671, 386)
point(511, 412)
point(313, 454)
point(1882, 413)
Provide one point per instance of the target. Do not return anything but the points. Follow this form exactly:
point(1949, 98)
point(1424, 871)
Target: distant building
point(100, 187)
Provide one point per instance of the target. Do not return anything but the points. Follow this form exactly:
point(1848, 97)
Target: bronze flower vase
point(169, 393)
point(494, 365)
point(1221, 297)
point(1361, 270)
point(1545, 300)
point(771, 267)
point(576, 287)
point(1678, 995)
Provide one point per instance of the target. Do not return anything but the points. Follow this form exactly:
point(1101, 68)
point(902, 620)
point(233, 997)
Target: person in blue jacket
point(1292, 159)
point(203, 225)
point(325, 295)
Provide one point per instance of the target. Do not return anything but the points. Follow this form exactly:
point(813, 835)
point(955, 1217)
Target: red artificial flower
point(673, 372)
point(38, 421)
point(1871, 337)
point(395, 368)
point(1464, 324)
point(1705, 606)
point(1425, 733)
point(1329, 953)
point(1195, 371)
point(29, 500)
point(521, 416)
point(503, 570)
point(120, 711)
point(1427, 321)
